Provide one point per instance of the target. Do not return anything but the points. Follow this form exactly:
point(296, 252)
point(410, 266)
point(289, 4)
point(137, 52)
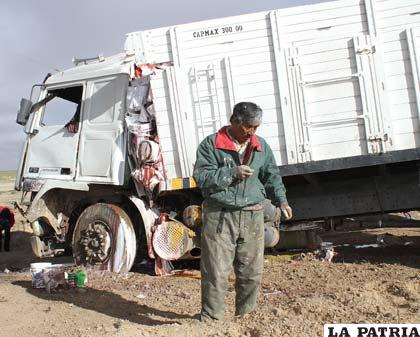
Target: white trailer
point(339, 84)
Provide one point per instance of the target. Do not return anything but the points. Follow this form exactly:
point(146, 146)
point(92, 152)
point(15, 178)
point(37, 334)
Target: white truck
point(339, 86)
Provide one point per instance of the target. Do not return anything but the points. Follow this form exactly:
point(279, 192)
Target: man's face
point(244, 131)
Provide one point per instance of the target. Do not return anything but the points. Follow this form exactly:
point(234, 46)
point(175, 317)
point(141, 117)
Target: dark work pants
point(230, 239)
point(6, 239)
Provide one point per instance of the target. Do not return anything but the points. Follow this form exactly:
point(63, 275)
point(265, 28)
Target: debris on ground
point(299, 293)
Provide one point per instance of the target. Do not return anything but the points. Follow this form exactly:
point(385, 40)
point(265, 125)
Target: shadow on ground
point(406, 256)
point(109, 304)
point(21, 256)
point(398, 239)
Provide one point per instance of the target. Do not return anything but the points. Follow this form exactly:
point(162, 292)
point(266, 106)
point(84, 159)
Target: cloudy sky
point(38, 37)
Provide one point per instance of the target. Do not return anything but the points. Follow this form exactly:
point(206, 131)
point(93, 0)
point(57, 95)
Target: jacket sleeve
point(208, 173)
point(271, 179)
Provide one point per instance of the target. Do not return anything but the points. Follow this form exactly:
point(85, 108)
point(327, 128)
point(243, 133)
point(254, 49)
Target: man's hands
point(286, 210)
point(244, 171)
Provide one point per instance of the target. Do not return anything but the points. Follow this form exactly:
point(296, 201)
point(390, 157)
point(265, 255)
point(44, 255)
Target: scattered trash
point(372, 245)
point(36, 273)
point(329, 255)
point(141, 296)
point(54, 277)
point(343, 245)
point(326, 252)
point(72, 280)
point(270, 293)
point(81, 279)
point(6, 271)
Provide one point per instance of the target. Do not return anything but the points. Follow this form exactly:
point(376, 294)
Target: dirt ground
point(299, 293)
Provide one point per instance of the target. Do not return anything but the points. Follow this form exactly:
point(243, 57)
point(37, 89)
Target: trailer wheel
point(104, 239)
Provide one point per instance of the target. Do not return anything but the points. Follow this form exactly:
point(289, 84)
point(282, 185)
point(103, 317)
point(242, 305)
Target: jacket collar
point(223, 141)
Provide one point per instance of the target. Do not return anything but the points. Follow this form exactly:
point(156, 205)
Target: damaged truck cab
point(74, 166)
point(75, 171)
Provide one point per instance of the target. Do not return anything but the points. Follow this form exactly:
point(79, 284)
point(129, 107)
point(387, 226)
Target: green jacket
point(215, 172)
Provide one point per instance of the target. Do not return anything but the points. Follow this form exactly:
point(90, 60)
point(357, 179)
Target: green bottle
point(81, 279)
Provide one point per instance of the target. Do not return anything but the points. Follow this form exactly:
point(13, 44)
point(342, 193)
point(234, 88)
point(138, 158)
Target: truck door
point(52, 148)
point(102, 142)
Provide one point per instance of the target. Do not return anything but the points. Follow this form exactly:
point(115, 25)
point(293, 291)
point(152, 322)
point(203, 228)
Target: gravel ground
point(299, 293)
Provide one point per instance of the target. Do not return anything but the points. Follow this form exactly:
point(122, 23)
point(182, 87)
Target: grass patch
point(7, 175)
point(10, 192)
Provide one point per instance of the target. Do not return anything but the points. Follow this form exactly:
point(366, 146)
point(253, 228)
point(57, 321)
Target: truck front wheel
point(104, 239)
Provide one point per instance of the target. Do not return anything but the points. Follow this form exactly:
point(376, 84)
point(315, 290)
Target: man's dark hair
point(245, 112)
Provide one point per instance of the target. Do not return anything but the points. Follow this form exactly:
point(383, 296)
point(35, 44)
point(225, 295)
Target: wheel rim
point(95, 243)
point(104, 239)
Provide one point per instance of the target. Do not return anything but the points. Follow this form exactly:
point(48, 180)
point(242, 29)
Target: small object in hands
point(244, 171)
point(286, 210)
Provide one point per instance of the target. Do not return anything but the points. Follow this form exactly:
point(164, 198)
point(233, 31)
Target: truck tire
point(104, 239)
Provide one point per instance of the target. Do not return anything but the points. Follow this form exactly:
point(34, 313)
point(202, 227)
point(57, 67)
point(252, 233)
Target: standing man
point(7, 220)
point(235, 171)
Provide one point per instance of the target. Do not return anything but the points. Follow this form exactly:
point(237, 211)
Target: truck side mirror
point(24, 111)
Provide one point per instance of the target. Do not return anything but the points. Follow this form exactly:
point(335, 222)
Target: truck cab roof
point(116, 64)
